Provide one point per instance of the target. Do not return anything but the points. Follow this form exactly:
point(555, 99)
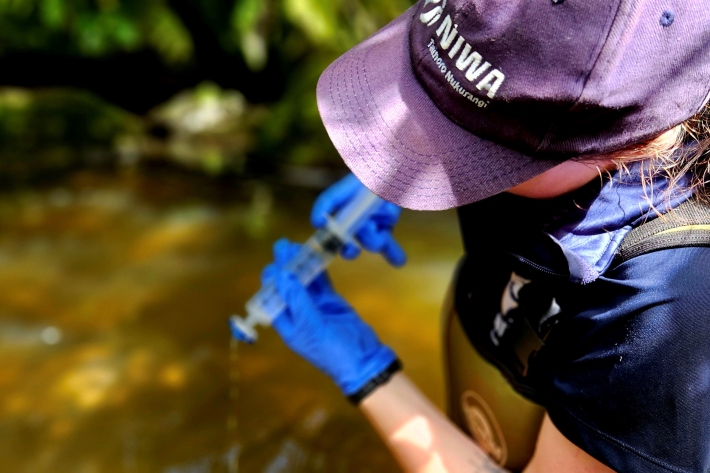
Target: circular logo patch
point(483, 426)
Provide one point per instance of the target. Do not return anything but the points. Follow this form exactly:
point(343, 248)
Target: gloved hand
point(320, 325)
point(375, 235)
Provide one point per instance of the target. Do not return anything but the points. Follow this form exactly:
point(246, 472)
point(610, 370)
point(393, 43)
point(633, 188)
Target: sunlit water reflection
point(115, 293)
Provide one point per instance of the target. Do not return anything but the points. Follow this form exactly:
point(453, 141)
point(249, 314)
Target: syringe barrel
point(349, 220)
point(312, 259)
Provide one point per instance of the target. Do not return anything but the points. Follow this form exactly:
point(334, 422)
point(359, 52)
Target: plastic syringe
point(314, 256)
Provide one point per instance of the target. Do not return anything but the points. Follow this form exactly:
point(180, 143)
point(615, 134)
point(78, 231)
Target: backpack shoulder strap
point(686, 225)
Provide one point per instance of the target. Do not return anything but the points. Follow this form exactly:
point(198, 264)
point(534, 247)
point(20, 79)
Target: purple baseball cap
point(458, 100)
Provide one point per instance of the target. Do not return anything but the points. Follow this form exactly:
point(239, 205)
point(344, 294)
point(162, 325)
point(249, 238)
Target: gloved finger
point(393, 252)
point(350, 251)
point(333, 199)
point(388, 214)
point(380, 240)
point(371, 237)
point(325, 205)
point(320, 285)
point(284, 251)
point(332, 306)
point(269, 273)
point(301, 311)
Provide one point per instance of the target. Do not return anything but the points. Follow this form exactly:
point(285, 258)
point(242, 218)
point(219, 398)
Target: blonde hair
point(682, 150)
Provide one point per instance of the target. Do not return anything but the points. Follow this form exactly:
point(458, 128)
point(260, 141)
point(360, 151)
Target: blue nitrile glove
point(320, 325)
point(375, 235)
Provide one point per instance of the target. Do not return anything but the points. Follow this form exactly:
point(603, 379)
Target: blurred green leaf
point(218, 131)
point(52, 13)
point(246, 15)
point(167, 35)
point(91, 36)
point(47, 131)
point(316, 18)
point(246, 18)
point(21, 8)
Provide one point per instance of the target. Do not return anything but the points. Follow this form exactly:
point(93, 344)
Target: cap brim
point(397, 142)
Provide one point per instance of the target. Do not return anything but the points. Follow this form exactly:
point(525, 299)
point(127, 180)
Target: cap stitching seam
point(366, 83)
point(458, 187)
point(459, 190)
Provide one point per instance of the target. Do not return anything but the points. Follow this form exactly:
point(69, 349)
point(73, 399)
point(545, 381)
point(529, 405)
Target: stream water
point(114, 295)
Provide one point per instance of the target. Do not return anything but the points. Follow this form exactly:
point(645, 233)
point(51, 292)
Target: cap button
point(667, 18)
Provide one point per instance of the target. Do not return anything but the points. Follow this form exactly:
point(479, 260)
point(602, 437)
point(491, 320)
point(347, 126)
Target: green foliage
point(93, 28)
point(309, 34)
point(247, 17)
point(48, 118)
point(301, 36)
point(43, 132)
point(102, 27)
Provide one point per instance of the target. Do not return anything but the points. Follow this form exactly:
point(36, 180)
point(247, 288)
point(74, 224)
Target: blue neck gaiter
point(589, 232)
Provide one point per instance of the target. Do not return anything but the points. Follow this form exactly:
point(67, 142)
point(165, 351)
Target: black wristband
point(375, 382)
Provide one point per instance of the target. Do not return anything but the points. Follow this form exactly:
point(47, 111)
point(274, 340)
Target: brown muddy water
point(115, 291)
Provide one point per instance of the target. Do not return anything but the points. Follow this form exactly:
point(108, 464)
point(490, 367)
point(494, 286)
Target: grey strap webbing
point(686, 225)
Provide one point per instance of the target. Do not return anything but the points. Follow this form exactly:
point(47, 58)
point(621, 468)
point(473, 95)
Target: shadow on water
point(113, 330)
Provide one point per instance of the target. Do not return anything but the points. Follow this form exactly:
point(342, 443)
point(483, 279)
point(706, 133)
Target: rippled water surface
point(114, 296)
